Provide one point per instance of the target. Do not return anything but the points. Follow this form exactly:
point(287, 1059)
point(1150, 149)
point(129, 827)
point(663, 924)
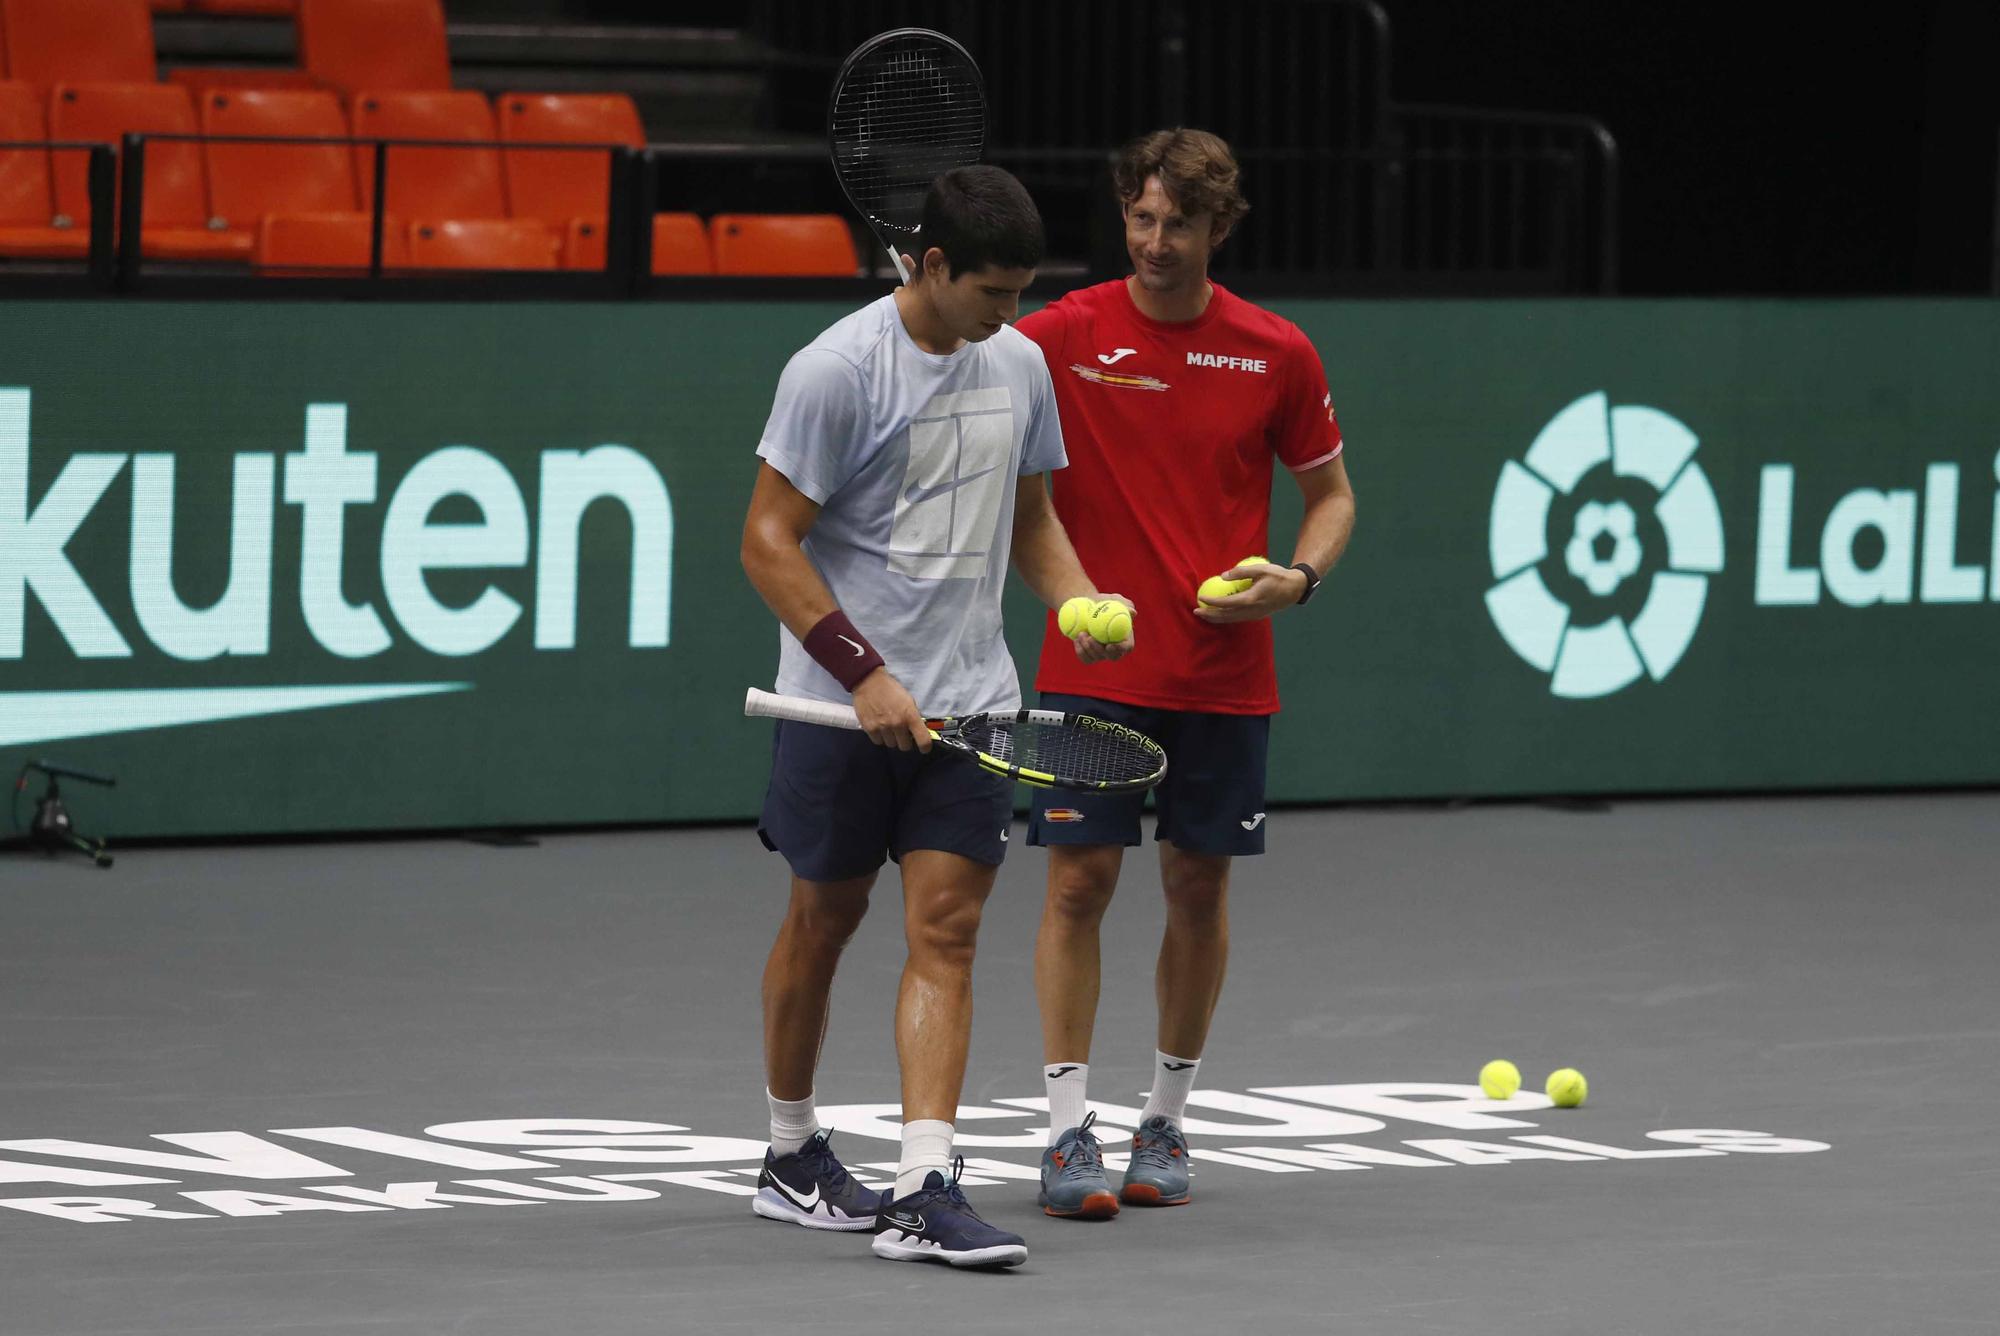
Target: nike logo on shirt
point(917, 492)
point(1117, 355)
point(1253, 822)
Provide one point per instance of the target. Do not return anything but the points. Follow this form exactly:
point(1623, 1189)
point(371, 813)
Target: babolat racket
point(1042, 748)
point(907, 107)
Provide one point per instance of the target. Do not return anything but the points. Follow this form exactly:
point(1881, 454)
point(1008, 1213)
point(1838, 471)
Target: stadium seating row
point(760, 245)
point(211, 200)
point(344, 45)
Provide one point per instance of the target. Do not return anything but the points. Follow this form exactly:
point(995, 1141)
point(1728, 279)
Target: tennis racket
point(907, 106)
point(1041, 748)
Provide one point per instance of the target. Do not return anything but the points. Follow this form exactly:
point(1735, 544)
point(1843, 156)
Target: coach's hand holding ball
point(1099, 625)
point(1250, 589)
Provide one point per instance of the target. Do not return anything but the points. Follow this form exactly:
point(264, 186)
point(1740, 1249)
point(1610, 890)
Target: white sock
point(792, 1122)
point(1065, 1082)
point(1173, 1078)
point(926, 1146)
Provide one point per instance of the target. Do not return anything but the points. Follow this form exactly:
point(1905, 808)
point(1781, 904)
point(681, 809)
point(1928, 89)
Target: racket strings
point(902, 117)
point(1059, 749)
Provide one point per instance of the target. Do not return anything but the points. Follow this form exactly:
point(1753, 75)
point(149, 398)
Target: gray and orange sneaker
point(1158, 1173)
point(1073, 1183)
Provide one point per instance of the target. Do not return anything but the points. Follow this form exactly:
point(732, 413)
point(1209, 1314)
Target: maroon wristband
point(840, 649)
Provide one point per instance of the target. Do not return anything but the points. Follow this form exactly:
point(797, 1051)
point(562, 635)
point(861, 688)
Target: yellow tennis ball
point(1110, 622)
point(1074, 616)
point(1499, 1079)
point(1568, 1088)
point(1217, 587)
point(1255, 561)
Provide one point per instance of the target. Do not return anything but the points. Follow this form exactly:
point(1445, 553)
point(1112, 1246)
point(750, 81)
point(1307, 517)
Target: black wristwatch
point(1312, 581)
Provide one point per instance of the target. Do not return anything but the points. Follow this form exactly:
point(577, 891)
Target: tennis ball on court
point(1110, 622)
point(1568, 1088)
point(1499, 1079)
point(1217, 587)
point(1073, 618)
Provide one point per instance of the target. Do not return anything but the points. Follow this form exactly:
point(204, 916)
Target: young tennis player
point(1176, 398)
point(903, 461)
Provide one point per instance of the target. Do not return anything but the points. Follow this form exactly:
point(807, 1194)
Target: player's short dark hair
point(981, 217)
point(1195, 168)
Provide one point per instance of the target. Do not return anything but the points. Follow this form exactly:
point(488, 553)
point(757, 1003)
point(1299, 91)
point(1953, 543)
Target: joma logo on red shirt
point(1256, 364)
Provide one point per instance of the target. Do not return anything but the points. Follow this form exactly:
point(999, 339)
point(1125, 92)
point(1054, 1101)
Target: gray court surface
point(1804, 988)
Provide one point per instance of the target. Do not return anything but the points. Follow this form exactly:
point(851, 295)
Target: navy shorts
point(838, 804)
point(1211, 802)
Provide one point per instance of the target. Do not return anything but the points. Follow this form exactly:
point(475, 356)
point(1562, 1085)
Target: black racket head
point(907, 106)
point(1061, 751)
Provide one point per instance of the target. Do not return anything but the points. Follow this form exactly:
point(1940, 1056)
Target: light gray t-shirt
point(913, 458)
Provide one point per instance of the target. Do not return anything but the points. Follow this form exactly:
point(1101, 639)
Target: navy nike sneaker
point(937, 1224)
point(811, 1187)
point(1158, 1172)
point(1073, 1183)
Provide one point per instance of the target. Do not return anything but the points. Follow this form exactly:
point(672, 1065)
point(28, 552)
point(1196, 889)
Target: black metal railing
point(1516, 193)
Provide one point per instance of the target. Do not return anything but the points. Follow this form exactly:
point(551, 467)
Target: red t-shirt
point(1171, 430)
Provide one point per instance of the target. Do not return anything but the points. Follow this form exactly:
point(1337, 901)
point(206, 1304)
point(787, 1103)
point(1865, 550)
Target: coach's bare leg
point(943, 897)
point(798, 978)
point(1195, 951)
point(1067, 957)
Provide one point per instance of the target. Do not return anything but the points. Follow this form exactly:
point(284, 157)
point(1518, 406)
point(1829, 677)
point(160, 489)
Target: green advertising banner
point(318, 567)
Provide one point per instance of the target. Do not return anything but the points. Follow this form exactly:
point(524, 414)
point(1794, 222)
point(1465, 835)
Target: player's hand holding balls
point(1250, 589)
point(1100, 626)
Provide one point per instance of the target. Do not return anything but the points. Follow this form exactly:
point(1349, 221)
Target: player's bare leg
point(944, 895)
point(798, 978)
point(1068, 965)
point(1194, 953)
point(803, 1181)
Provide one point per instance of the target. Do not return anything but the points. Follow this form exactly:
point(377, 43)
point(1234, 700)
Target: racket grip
point(765, 705)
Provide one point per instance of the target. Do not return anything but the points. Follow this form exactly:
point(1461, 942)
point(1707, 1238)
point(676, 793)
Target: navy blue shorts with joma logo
point(1211, 802)
point(838, 804)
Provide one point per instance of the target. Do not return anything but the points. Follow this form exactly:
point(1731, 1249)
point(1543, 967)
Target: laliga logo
point(1634, 545)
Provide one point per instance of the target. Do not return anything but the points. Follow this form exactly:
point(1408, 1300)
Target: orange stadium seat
point(3, 46)
point(248, 182)
point(792, 245)
point(680, 245)
point(198, 79)
point(431, 182)
point(177, 221)
point(304, 243)
point(484, 243)
point(79, 41)
point(27, 199)
point(353, 45)
point(559, 186)
point(167, 6)
point(569, 191)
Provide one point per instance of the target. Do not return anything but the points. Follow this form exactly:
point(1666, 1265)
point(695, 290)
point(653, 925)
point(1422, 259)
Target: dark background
point(1767, 148)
